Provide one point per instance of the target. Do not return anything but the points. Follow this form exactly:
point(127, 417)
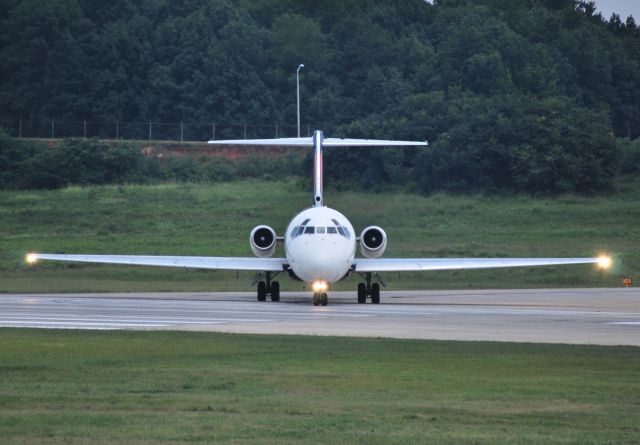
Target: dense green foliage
point(28, 164)
point(518, 95)
point(216, 219)
point(79, 387)
point(24, 164)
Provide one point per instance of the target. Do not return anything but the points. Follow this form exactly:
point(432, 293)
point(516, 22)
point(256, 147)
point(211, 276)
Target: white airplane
point(320, 243)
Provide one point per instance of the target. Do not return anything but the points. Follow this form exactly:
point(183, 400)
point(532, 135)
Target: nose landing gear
point(368, 289)
point(320, 299)
point(319, 293)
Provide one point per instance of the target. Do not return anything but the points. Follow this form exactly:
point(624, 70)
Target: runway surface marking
point(587, 316)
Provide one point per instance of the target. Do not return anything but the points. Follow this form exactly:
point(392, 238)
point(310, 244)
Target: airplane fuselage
point(320, 245)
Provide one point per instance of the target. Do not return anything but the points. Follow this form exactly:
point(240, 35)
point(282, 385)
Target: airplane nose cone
point(322, 268)
point(322, 264)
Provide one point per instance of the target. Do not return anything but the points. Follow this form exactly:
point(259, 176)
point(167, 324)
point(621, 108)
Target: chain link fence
point(158, 131)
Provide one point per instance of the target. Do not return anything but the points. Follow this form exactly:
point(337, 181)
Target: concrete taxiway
point(579, 316)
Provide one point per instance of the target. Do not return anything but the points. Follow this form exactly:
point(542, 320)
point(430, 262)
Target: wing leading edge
point(423, 264)
point(196, 262)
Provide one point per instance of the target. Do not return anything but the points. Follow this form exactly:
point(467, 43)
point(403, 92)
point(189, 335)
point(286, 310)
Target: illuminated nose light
point(604, 262)
point(319, 286)
point(32, 258)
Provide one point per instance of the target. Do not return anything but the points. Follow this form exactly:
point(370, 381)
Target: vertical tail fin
point(318, 200)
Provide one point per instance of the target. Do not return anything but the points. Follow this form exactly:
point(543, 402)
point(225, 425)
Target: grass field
point(77, 387)
point(215, 219)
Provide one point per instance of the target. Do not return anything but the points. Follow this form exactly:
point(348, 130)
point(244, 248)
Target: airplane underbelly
point(315, 260)
point(309, 271)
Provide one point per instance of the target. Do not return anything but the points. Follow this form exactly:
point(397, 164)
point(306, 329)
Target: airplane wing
point(196, 262)
point(421, 264)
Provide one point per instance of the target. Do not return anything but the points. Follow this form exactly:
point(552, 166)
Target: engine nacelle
point(373, 241)
point(263, 241)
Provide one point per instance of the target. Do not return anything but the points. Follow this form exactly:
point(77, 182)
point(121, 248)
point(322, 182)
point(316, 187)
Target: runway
point(577, 316)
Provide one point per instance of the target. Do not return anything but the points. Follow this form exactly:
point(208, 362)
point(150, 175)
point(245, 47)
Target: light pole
point(298, 94)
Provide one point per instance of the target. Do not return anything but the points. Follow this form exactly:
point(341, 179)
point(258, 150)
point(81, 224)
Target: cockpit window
point(310, 230)
point(297, 231)
point(342, 230)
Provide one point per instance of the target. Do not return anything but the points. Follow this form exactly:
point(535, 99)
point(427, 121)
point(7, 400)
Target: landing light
point(604, 262)
point(32, 258)
point(319, 286)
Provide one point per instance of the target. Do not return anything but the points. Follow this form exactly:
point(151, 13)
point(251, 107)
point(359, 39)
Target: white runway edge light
point(32, 258)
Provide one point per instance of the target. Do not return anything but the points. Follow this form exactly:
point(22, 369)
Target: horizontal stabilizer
point(327, 142)
point(283, 142)
point(339, 142)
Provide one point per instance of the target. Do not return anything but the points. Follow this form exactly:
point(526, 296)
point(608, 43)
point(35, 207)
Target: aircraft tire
point(362, 293)
point(275, 291)
point(324, 299)
point(375, 293)
point(262, 291)
point(316, 299)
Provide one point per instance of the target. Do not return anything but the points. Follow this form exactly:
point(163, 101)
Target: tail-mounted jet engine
point(373, 241)
point(263, 241)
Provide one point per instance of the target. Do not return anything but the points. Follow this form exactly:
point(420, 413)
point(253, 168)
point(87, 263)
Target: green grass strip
point(215, 220)
point(77, 387)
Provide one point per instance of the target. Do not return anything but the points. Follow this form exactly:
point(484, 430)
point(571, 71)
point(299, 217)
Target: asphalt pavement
point(578, 316)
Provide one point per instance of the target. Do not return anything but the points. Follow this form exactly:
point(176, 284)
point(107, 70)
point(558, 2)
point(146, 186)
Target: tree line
point(35, 164)
point(535, 96)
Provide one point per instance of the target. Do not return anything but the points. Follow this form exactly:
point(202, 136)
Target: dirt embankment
point(197, 149)
point(162, 149)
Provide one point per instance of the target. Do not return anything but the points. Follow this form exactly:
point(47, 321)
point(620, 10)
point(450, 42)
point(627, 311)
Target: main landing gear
point(367, 289)
point(269, 288)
